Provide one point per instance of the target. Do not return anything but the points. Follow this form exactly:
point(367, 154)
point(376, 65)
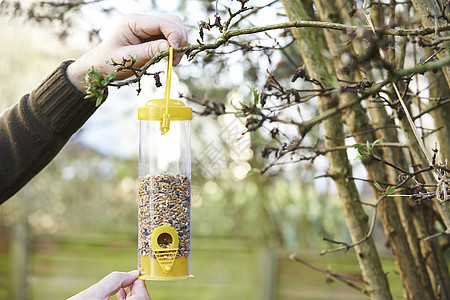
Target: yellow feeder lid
point(155, 109)
point(166, 109)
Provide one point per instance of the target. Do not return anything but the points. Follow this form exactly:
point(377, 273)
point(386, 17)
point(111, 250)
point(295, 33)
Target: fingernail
point(177, 60)
point(163, 46)
point(135, 273)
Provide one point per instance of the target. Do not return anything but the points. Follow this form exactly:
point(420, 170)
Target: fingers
point(136, 35)
point(182, 41)
point(177, 58)
point(139, 291)
point(145, 51)
point(147, 27)
point(113, 282)
point(121, 295)
point(108, 286)
point(152, 28)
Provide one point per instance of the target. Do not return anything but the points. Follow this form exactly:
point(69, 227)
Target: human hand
point(124, 285)
point(137, 291)
point(137, 35)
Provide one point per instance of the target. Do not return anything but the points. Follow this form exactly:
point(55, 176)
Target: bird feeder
point(164, 229)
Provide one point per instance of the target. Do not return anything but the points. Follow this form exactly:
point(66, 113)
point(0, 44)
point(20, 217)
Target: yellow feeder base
point(151, 269)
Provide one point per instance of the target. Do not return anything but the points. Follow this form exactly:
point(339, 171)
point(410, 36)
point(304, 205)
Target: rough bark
point(428, 10)
point(421, 161)
point(427, 269)
point(340, 168)
point(432, 254)
point(439, 90)
point(357, 121)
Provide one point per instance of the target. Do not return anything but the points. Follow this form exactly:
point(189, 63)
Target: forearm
point(34, 130)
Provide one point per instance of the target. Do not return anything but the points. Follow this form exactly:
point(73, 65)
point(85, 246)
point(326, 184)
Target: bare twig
point(346, 246)
point(430, 237)
point(347, 279)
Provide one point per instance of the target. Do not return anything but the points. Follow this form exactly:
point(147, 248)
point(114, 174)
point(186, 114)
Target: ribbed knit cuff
point(60, 103)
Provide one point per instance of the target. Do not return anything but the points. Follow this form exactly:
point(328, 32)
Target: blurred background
point(77, 220)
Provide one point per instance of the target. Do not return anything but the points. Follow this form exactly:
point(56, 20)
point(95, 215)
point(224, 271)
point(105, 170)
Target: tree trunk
point(427, 270)
point(427, 10)
point(415, 287)
point(420, 160)
point(340, 168)
point(439, 90)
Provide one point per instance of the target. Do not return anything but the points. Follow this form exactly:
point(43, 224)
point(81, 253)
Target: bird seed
point(164, 200)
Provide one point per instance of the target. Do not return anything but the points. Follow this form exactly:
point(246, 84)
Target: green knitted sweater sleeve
point(35, 129)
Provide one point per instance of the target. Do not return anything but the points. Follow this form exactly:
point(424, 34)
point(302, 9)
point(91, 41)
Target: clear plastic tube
point(164, 229)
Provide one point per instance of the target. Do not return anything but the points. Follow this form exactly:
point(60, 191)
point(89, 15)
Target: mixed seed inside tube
point(164, 200)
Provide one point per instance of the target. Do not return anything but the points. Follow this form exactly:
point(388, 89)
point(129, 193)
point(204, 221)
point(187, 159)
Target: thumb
point(139, 291)
point(113, 282)
point(108, 286)
point(146, 51)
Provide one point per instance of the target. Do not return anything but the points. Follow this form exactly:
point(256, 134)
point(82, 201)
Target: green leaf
point(376, 142)
point(377, 185)
point(99, 100)
point(361, 150)
point(373, 145)
point(96, 77)
point(255, 94)
point(366, 151)
point(389, 191)
point(107, 79)
point(95, 86)
point(110, 76)
point(252, 172)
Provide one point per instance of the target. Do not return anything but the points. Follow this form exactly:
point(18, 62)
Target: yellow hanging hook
point(165, 123)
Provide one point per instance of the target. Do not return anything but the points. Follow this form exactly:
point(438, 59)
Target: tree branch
point(346, 246)
point(341, 277)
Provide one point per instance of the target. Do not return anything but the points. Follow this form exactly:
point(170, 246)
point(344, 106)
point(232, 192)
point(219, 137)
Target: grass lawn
point(223, 269)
